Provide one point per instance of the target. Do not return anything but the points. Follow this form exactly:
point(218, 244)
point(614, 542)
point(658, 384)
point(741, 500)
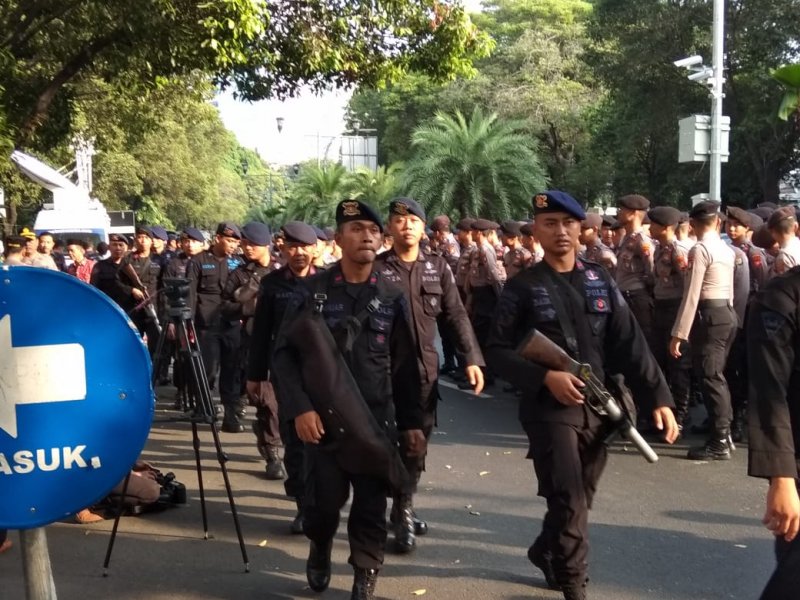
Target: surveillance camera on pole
point(701, 75)
point(689, 61)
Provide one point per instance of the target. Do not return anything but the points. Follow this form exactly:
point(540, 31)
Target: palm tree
point(481, 166)
point(317, 191)
point(376, 188)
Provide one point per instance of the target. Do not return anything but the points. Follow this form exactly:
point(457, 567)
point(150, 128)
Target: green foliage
point(316, 192)
point(789, 77)
point(481, 166)
point(376, 188)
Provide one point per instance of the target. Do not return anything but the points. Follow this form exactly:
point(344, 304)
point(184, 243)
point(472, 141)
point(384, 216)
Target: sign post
point(76, 404)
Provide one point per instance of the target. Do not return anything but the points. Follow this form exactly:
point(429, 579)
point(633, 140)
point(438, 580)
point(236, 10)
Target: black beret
point(784, 213)
point(608, 221)
point(527, 229)
point(763, 238)
point(684, 217)
point(145, 230)
point(159, 233)
point(704, 209)
point(257, 233)
point(441, 223)
point(330, 233)
point(15, 242)
point(321, 235)
point(300, 233)
point(771, 205)
point(634, 202)
point(116, 237)
point(510, 228)
point(193, 233)
point(355, 210)
point(557, 201)
point(741, 215)
point(172, 236)
point(755, 221)
point(763, 212)
point(228, 229)
point(617, 225)
point(484, 225)
point(592, 221)
point(666, 216)
point(465, 224)
point(406, 206)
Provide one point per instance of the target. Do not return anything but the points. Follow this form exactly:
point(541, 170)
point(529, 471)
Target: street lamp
point(279, 122)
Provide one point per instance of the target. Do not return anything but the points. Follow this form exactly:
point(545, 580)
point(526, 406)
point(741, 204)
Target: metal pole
point(715, 167)
point(39, 584)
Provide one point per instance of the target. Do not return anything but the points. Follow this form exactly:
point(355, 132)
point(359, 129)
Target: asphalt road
point(675, 530)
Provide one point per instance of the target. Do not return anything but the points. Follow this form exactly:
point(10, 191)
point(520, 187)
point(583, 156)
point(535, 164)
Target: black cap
point(15, 242)
point(762, 211)
point(441, 223)
point(510, 228)
point(145, 230)
point(755, 221)
point(770, 205)
point(116, 237)
point(609, 220)
point(592, 221)
point(617, 225)
point(526, 229)
point(257, 233)
point(406, 206)
point(355, 210)
point(299, 233)
point(634, 202)
point(484, 225)
point(704, 210)
point(741, 215)
point(193, 233)
point(666, 216)
point(784, 213)
point(228, 229)
point(763, 238)
point(557, 201)
point(330, 233)
point(465, 224)
point(159, 233)
point(684, 218)
point(320, 234)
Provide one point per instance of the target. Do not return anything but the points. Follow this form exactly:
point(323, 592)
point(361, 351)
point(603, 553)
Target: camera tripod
point(198, 400)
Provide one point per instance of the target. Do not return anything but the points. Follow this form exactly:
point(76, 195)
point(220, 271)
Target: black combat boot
point(297, 523)
point(318, 566)
point(739, 425)
point(540, 557)
point(364, 582)
point(230, 421)
point(274, 467)
point(718, 447)
point(404, 537)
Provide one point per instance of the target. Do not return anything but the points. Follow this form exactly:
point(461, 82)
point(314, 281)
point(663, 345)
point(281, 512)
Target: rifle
point(147, 303)
point(540, 349)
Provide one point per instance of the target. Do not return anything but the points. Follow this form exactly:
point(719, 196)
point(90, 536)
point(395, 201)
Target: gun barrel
point(633, 436)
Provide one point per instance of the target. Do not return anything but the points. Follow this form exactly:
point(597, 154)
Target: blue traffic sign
point(76, 401)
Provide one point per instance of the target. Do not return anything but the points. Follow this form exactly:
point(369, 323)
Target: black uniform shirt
point(207, 274)
point(147, 268)
point(430, 290)
point(591, 299)
point(104, 278)
point(773, 336)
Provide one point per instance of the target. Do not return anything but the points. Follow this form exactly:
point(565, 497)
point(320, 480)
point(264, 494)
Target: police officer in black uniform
point(219, 337)
point(578, 306)
point(191, 244)
point(277, 287)
point(773, 353)
point(381, 357)
point(430, 290)
point(104, 272)
point(138, 276)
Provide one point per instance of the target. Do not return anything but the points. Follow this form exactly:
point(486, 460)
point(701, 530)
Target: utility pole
point(717, 94)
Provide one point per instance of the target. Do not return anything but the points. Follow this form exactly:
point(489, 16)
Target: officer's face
point(191, 247)
point(509, 241)
point(464, 237)
point(298, 256)
point(117, 249)
point(143, 242)
point(46, 244)
point(558, 232)
point(608, 236)
point(406, 230)
point(227, 244)
point(736, 231)
point(158, 245)
point(252, 252)
point(588, 235)
point(359, 241)
point(658, 232)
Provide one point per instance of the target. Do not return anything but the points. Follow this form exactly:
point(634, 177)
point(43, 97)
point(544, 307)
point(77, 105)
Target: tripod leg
point(116, 524)
point(201, 487)
point(157, 357)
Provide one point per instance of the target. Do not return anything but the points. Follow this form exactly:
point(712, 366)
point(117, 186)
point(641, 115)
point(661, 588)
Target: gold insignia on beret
point(540, 200)
point(400, 208)
point(350, 209)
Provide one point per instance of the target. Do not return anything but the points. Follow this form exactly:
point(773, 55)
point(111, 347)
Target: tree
point(376, 188)
point(789, 77)
point(316, 192)
point(477, 166)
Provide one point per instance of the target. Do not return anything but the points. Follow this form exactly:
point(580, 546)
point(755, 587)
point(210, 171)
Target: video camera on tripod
point(176, 291)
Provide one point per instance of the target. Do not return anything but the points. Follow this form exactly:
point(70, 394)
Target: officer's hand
point(416, 444)
point(782, 516)
point(664, 420)
point(675, 347)
point(309, 427)
point(137, 293)
point(475, 377)
point(565, 387)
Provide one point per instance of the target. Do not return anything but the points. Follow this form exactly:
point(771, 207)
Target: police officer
point(739, 227)
point(239, 305)
point(607, 231)
point(192, 242)
point(635, 262)
point(773, 331)
point(104, 272)
point(444, 244)
point(381, 357)
point(707, 319)
point(429, 288)
point(138, 277)
point(277, 287)
point(219, 337)
point(466, 247)
point(782, 224)
point(596, 250)
point(566, 438)
point(670, 263)
point(516, 257)
point(528, 239)
point(485, 281)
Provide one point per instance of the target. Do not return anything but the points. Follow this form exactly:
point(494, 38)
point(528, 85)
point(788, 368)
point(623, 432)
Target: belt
point(714, 303)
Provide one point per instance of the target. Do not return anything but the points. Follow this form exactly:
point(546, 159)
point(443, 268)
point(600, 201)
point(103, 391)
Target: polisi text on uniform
point(43, 459)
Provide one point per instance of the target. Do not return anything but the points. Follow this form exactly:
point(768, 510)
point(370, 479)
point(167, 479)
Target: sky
point(310, 122)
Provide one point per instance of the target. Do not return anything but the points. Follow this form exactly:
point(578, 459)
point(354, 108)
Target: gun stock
point(540, 349)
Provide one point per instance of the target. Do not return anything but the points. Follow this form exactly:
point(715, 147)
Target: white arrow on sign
point(37, 374)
